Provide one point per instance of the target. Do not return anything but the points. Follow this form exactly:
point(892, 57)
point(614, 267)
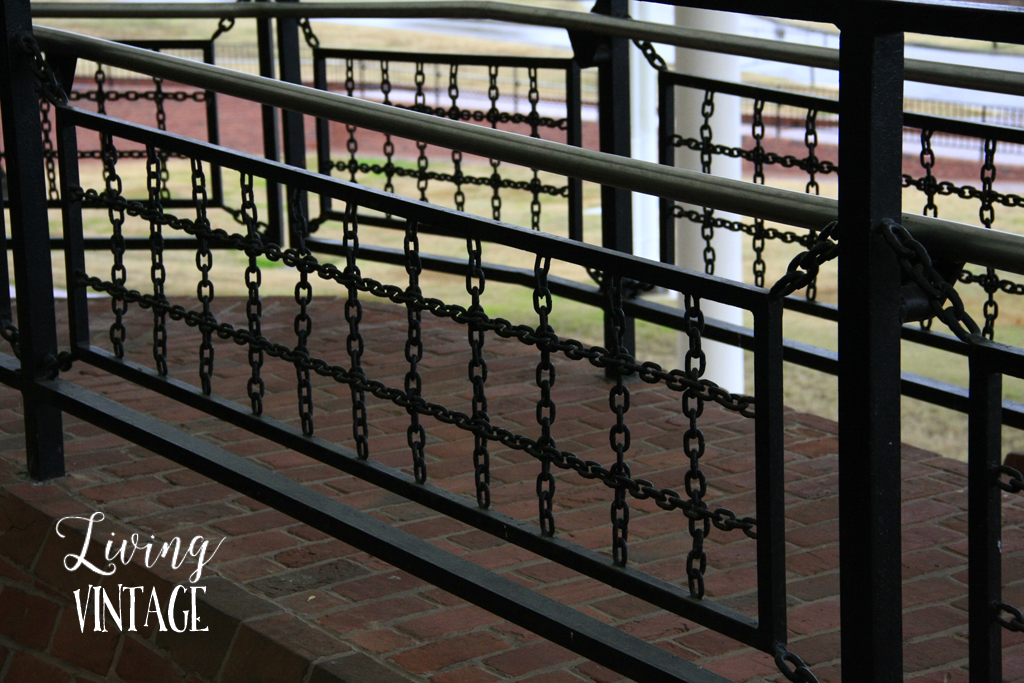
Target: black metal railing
point(881, 259)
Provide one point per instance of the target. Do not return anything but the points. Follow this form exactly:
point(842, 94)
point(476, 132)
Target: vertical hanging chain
point(307, 33)
point(757, 130)
point(693, 445)
point(416, 435)
point(303, 322)
point(618, 435)
point(545, 406)
point(475, 283)
point(159, 96)
point(118, 274)
point(351, 144)
point(493, 115)
point(420, 104)
point(253, 306)
point(987, 214)
point(929, 185)
point(534, 97)
point(811, 141)
point(49, 155)
point(389, 146)
point(101, 93)
point(453, 113)
point(354, 342)
point(154, 165)
point(707, 228)
point(204, 262)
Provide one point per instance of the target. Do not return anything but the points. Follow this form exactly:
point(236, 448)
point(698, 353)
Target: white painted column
point(724, 363)
point(643, 119)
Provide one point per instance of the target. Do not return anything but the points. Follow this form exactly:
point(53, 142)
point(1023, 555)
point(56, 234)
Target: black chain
point(649, 372)
point(101, 92)
point(545, 406)
point(707, 227)
point(49, 155)
point(640, 489)
point(694, 445)
point(49, 88)
point(224, 25)
point(158, 274)
point(987, 214)
point(917, 264)
point(204, 262)
point(351, 144)
point(819, 166)
point(492, 116)
point(804, 267)
point(757, 131)
point(354, 342)
point(800, 673)
point(256, 387)
point(811, 142)
point(535, 185)
point(118, 274)
point(650, 54)
point(1016, 620)
point(476, 281)
point(421, 161)
point(1015, 484)
point(307, 33)
point(389, 146)
point(303, 322)
point(928, 182)
point(618, 435)
point(416, 435)
point(457, 176)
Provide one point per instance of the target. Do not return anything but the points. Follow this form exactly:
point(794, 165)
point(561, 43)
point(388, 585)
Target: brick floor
point(356, 601)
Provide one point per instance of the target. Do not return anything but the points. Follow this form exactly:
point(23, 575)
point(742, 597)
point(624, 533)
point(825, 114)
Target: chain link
point(475, 283)
point(492, 116)
point(757, 131)
point(618, 435)
point(533, 96)
point(416, 434)
point(421, 161)
point(204, 262)
point(118, 273)
point(303, 322)
point(804, 267)
point(49, 88)
point(307, 33)
point(694, 445)
point(707, 226)
point(354, 342)
point(800, 673)
point(987, 215)
point(1015, 484)
point(253, 306)
point(542, 305)
point(158, 274)
point(389, 146)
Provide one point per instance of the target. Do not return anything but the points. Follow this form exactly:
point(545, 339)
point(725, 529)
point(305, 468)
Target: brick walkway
point(341, 598)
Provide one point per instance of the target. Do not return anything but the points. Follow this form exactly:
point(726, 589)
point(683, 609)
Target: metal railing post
point(871, 147)
point(290, 71)
point(265, 46)
point(614, 132)
point(37, 327)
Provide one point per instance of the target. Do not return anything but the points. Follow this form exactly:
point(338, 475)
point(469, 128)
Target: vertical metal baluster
point(455, 114)
point(204, 290)
point(354, 342)
point(351, 144)
point(492, 115)
point(118, 274)
point(389, 146)
point(545, 406)
point(420, 104)
point(811, 140)
point(618, 401)
point(416, 436)
point(757, 130)
point(696, 559)
point(988, 215)
point(475, 283)
point(534, 97)
point(253, 306)
point(158, 274)
point(929, 183)
point(707, 228)
point(303, 323)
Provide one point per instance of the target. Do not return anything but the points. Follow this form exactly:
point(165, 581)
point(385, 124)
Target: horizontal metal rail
point(955, 75)
point(563, 625)
point(975, 245)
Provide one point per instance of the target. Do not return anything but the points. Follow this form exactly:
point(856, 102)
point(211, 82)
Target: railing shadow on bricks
point(875, 255)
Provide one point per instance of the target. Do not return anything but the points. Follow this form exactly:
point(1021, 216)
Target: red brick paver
point(335, 599)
